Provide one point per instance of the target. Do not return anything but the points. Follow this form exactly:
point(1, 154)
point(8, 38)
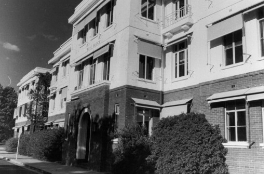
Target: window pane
point(176, 66)
point(181, 64)
point(231, 134)
point(230, 105)
point(228, 39)
point(230, 119)
point(144, 8)
point(239, 54)
point(241, 118)
point(151, 7)
point(150, 66)
point(142, 66)
point(240, 104)
point(262, 47)
point(238, 36)
point(229, 56)
point(241, 134)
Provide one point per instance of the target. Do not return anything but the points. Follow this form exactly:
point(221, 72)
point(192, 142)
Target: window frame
point(261, 39)
point(109, 13)
point(176, 52)
point(145, 68)
point(117, 112)
point(106, 65)
point(65, 65)
point(233, 47)
point(80, 75)
point(147, 10)
point(236, 144)
point(92, 71)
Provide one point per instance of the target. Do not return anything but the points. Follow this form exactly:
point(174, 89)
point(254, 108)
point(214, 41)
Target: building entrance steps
point(41, 166)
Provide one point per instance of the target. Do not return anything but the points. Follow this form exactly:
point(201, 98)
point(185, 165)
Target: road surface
point(9, 168)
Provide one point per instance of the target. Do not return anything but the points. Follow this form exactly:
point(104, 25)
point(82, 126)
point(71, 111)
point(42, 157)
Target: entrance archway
point(84, 136)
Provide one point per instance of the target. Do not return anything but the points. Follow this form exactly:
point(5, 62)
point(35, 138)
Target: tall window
point(80, 75)
point(261, 23)
point(236, 121)
point(117, 111)
point(106, 72)
point(146, 67)
point(148, 8)
point(181, 8)
point(83, 34)
point(97, 22)
point(65, 66)
point(109, 13)
point(181, 59)
point(233, 48)
point(92, 71)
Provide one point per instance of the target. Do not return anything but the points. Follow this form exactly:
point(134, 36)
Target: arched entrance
point(84, 135)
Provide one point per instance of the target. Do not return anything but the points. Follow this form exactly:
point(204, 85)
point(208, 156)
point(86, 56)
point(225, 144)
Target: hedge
point(132, 151)
point(43, 145)
point(24, 145)
point(11, 145)
point(188, 144)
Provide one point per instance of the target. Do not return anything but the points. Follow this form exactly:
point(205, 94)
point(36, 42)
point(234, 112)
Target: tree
point(188, 143)
point(8, 102)
point(37, 113)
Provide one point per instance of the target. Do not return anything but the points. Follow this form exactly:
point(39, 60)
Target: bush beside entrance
point(188, 144)
point(11, 145)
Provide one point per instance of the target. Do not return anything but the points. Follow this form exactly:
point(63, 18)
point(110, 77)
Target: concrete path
point(41, 166)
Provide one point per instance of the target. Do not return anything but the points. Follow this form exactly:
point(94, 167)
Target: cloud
point(11, 47)
point(33, 37)
point(50, 37)
point(7, 58)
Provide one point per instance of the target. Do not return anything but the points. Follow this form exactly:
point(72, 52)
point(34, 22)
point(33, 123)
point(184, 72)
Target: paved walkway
point(42, 166)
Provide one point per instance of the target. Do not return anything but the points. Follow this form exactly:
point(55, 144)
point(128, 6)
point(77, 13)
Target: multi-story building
point(59, 84)
point(24, 102)
point(143, 60)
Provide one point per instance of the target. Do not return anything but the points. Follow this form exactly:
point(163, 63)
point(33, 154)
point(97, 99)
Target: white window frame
point(111, 19)
point(154, 13)
point(186, 60)
point(235, 144)
point(260, 39)
point(153, 70)
point(233, 51)
point(117, 112)
point(262, 113)
point(91, 75)
point(81, 70)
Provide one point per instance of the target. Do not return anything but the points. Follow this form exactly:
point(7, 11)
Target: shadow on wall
point(89, 138)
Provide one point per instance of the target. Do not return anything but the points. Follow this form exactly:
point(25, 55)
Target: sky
point(30, 31)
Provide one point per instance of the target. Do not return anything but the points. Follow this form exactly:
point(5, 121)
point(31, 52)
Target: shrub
point(11, 145)
point(132, 151)
point(47, 144)
point(188, 144)
point(24, 145)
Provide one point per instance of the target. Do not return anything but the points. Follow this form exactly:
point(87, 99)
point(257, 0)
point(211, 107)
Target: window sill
point(107, 28)
point(87, 88)
point(82, 45)
point(180, 78)
point(232, 66)
point(261, 145)
point(146, 81)
point(243, 145)
point(95, 36)
point(260, 59)
point(149, 20)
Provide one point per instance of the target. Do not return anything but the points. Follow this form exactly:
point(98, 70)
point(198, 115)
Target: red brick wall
point(239, 160)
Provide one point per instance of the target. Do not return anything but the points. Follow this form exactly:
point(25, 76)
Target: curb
point(13, 161)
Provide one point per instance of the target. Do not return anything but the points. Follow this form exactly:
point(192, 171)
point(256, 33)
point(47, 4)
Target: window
point(181, 8)
point(80, 75)
point(92, 71)
point(106, 72)
point(83, 34)
point(144, 115)
point(146, 66)
point(233, 48)
point(180, 60)
point(147, 8)
point(117, 111)
point(55, 74)
point(97, 22)
point(65, 66)
point(236, 130)
point(261, 23)
point(109, 13)
point(25, 110)
point(20, 111)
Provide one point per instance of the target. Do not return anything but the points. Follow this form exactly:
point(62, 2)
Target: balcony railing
point(177, 16)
